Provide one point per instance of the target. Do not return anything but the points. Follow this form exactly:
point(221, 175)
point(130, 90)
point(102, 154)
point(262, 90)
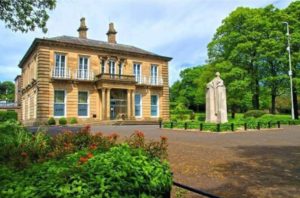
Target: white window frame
point(120, 69)
point(154, 79)
point(112, 67)
point(65, 103)
point(59, 67)
point(157, 106)
point(88, 104)
point(83, 75)
point(138, 79)
point(141, 105)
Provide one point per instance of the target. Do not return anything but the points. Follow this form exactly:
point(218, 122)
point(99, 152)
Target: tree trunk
point(273, 100)
point(255, 97)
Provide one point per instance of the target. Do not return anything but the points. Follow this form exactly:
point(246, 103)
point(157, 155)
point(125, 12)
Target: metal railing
point(84, 74)
point(153, 80)
point(61, 73)
point(107, 76)
point(8, 104)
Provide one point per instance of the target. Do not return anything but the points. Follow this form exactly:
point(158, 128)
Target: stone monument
point(216, 106)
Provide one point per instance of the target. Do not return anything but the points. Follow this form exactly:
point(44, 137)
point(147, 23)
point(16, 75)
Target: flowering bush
point(120, 172)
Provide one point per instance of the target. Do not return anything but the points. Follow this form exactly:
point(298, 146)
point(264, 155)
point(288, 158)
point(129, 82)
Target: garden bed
point(81, 164)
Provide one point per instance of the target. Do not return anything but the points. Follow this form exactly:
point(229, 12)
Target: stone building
point(92, 80)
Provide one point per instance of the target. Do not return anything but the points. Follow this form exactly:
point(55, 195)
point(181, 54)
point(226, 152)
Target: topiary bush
point(62, 121)
point(73, 121)
point(254, 113)
point(8, 115)
point(51, 121)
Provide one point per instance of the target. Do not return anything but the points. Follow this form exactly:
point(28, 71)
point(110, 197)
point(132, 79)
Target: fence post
point(278, 124)
point(245, 126)
point(185, 125)
point(232, 126)
point(258, 125)
point(171, 125)
point(218, 127)
point(201, 126)
point(269, 124)
point(160, 124)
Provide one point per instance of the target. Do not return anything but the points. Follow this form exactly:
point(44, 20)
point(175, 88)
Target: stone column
point(108, 104)
point(128, 104)
point(103, 104)
point(132, 104)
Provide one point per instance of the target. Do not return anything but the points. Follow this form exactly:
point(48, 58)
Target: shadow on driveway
point(264, 171)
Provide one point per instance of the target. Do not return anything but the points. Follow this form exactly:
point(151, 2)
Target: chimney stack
point(111, 34)
point(82, 30)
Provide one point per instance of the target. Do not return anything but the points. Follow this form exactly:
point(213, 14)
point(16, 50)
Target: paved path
point(238, 164)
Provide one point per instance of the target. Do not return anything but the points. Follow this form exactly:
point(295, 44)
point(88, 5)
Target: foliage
point(7, 88)
point(254, 113)
point(51, 121)
point(62, 121)
point(249, 50)
point(26, 15)
point(8, 115)
point(80, 164)
point(119, 172)
point(73, 121)
point(153, 148)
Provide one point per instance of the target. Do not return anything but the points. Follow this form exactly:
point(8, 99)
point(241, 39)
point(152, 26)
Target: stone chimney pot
point(82, 30)
point(111, 34)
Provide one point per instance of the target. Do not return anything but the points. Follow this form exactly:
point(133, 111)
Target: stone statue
point(216, 106)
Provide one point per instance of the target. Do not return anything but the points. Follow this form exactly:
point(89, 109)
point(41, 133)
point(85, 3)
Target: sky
point(176, 28)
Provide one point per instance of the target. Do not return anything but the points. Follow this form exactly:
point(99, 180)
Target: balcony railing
point(61, 73)
point(117, 77)
point(84, 74)
point(156, 81)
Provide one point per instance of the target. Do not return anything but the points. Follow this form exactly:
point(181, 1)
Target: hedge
point(8, 115)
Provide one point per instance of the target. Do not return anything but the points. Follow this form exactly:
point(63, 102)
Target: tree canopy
point(7, 91)
point(249, 50)
point(26, 15)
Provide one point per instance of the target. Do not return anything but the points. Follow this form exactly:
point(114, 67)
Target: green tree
point(292, 16)
point(7, 91)
point(26, 15)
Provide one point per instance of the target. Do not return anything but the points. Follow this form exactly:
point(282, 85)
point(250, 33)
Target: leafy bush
point(254, 113)
point(62, 121)
point(73, 121)
point(192, 116)
point(51, 121)
point(8, 115)
point(120, 172)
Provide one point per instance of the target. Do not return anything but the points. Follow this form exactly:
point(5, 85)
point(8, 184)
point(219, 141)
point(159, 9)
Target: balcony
point(85, 75)
point(61, 74)
point(116, 77)
point(152, 81)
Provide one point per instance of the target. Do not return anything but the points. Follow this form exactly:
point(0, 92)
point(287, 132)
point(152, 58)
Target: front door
point(118, 104)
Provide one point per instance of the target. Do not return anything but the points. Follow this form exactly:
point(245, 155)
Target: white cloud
point(176, 28)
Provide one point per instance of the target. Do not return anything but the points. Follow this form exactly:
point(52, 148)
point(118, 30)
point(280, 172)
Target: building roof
point(94, 44)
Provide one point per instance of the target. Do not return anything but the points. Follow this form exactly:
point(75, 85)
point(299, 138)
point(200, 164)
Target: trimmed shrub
point(73, 121)
point(51, 121)
point(254, 113)
point(8, 115)
point(62, 121)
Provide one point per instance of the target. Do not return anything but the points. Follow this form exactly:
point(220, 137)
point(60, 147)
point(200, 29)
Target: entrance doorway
point(118, 104)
